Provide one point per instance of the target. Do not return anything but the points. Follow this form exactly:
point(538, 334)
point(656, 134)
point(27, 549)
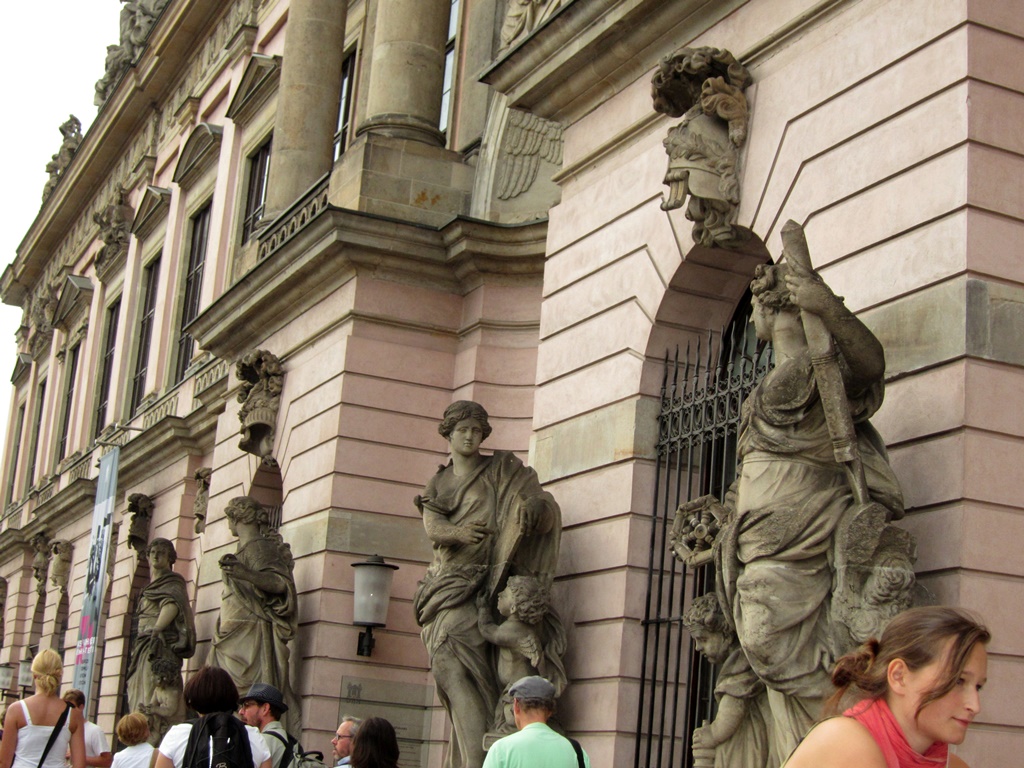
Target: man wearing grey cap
point(535, 745)
point(262, 708)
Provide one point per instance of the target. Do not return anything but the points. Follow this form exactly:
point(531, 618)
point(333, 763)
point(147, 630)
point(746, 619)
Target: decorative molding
point(161, 411)
point(75, 297)
point(202, 498)
point(153, 207)
point(527, 141)
point(293, 221)
point(258, 84)
point(200, 152)
point(60, 573)
point(22, 365)
point(140, 507)
point(40, 544)
point(208, 377)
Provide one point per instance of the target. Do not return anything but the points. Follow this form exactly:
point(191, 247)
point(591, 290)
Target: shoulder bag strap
point(579, 752)
point(278, 736)
point(53, 734)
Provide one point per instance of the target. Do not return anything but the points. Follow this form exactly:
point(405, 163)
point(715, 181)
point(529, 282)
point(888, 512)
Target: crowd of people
point(916, 691)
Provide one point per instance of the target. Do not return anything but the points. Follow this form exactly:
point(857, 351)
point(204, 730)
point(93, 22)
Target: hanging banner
point(96, 577)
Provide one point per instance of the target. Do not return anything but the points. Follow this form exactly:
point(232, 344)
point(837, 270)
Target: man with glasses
point(342, 741)
point(262, 708)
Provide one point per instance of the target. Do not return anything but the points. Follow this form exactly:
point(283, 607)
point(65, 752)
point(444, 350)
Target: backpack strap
point(579, 752)
point(290, 745)
point(198, 728)
point(53, 734)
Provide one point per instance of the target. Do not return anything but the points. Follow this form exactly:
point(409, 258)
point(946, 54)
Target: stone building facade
point(409, 202)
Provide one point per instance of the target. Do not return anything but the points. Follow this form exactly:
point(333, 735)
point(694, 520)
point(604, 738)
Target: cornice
point(333, 247)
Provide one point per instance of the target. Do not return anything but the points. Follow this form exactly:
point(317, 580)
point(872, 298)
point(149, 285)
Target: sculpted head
point(163, 547)
point(248, 511)
point(459, 411)
point(709, 628)
point(769, 287)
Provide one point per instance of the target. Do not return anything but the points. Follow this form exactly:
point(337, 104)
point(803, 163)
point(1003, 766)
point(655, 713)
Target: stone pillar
point(308, 100)
point(407, 70)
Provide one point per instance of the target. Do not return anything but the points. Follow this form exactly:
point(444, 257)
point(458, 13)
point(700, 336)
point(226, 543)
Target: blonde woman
point(39, 730)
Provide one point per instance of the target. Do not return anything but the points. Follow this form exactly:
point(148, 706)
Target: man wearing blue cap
point(262, 708)
point(535, 745)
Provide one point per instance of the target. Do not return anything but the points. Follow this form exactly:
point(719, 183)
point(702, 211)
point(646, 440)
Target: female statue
point(167, 633)
point(488, 519)
point(258, 605)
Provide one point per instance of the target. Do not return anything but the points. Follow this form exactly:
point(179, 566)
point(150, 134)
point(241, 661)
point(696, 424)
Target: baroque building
point(298, 229)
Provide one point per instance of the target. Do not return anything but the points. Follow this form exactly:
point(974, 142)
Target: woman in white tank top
point(30, 722)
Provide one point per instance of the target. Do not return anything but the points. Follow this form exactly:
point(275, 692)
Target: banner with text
point(96, 577)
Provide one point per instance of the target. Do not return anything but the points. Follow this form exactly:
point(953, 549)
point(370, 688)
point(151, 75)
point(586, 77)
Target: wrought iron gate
point(701, 397)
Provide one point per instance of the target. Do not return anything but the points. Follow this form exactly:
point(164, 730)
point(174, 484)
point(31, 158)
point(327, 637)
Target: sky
point(55, 51)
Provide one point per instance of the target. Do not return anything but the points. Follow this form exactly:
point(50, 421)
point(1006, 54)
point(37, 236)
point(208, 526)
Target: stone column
point(308, 100)
point(407, 70)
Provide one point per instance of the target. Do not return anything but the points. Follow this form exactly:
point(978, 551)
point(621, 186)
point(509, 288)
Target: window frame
point(346, 106)
point(192, 287)
point(106, 363)
point(146, 321)
point(256, 188)
point(72, 358)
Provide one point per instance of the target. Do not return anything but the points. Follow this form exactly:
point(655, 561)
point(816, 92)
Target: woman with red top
point(921, 685)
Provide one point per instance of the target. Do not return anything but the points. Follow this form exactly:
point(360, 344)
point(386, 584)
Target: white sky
point(55, 51)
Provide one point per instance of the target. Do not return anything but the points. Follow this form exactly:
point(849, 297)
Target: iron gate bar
point(698, 427)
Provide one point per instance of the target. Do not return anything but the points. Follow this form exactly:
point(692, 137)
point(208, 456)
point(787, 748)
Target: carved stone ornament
point(262, 377)
point(40, 543)
point(140, 506)
point(528, 139)
point(202, 500)
point(71, 131)
point(60, 573)
point(522, 17)
point(485, 602)
point(807, 561)
point(136, 22)
point(115, 223)
point(705, 87)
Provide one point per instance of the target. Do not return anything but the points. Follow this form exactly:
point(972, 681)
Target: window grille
point(702, 396)
point(449, 67)
point(69, 397)
point(348, 80)
point(193, 286)
point(106, 367)
point(256, 195)
point(19, 423)
point(37, 426)
point(146, 321)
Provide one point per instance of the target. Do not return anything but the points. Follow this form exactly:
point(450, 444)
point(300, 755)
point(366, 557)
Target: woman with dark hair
point(375, 745)
point(919, 687)
point(40, 729)
point(212, 693)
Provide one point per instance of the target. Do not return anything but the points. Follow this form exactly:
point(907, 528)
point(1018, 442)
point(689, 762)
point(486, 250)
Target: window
point(348, 79)
point(256, 196)
point(449, 66)
point(193, 285)
point(69, 397)
point(37, 426)
point(19, 422)
point(106, 367)
point(150, 278)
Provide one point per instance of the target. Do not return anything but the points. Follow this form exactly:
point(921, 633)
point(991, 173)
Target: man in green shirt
point(535, 745)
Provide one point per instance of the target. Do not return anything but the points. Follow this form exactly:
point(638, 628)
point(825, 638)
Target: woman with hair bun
point(30, 723)
point(919, 687)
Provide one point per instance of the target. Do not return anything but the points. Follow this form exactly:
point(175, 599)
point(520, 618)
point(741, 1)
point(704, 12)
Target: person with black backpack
point(217, 739)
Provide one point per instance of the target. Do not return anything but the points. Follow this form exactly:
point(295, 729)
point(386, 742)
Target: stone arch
point(703, 293)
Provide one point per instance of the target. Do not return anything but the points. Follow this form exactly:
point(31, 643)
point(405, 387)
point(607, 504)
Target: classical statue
point(60, 573)
point(53, 173)
point(202, 499)
point(166, 636)
point(705, 87)
point(489, 521)
point(258, 604)
point(117, 62)
point(262, 377)
point(71, 131)
point(807, 563)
